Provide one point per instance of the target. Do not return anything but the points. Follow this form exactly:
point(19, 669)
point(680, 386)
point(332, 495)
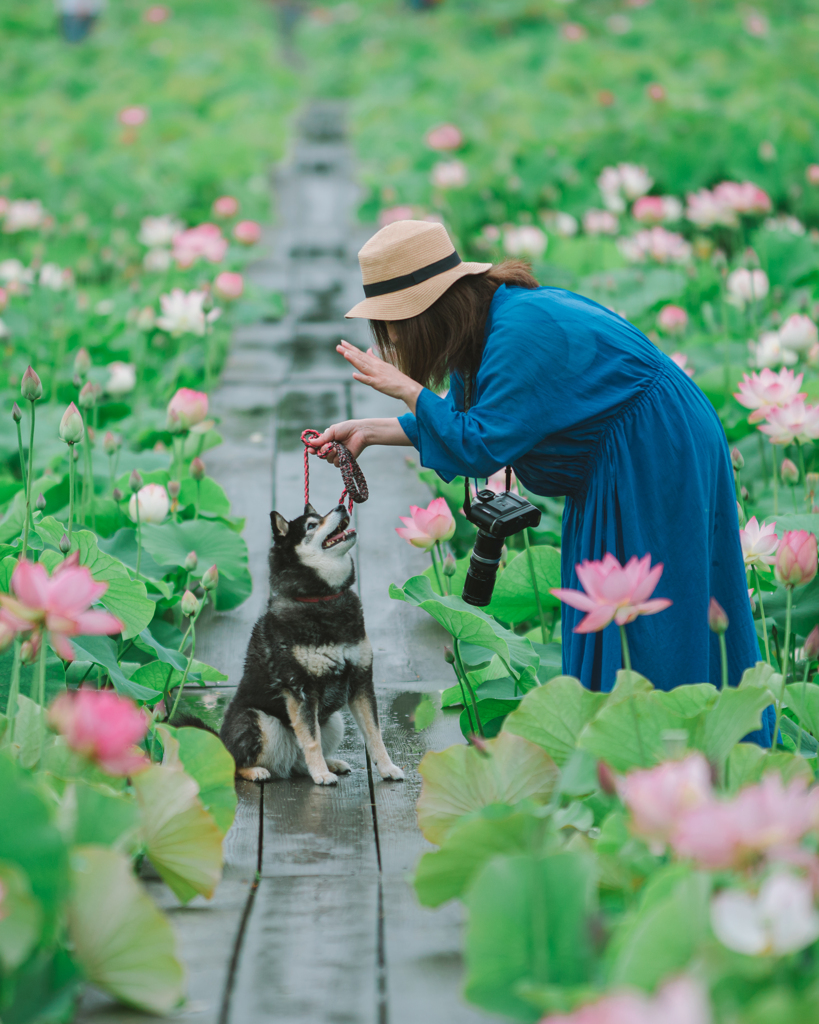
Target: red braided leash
point(355, 486)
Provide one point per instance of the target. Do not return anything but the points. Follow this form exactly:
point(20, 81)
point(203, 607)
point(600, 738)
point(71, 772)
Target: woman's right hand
point(353, 434)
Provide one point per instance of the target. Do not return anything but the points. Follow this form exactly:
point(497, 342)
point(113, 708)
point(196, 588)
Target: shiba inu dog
point(308, 656)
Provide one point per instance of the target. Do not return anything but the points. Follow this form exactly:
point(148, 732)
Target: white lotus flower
point(159, 231)
point(55, 278)
point(798, 333)
point(154, 504)
point(746, 286)
point(15, 273)
point(121, 379)
point(182, 312)
point(449, 174)
point(780, 919)
point(23, 215)
point(525, 240)
point(759, 543)
point(770, 351)
point(157, 261)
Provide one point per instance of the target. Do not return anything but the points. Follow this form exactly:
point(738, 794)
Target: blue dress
point(580, 403)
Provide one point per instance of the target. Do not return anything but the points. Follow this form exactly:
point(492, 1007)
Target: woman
point(580, 404)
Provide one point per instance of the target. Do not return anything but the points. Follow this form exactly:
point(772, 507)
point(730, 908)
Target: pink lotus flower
point(131, 117)
point(657, 797)
point(681, 359)
point(524, 240)
point(157, 14)
point(102, 726)
point(225, 206)
point(187, 408)
point(247, 232)
point(680, 1001)
point(758, 821)
point(573, 32)
point(600, 222)
point(672, 319)
point(614, 592)
point(812, 174)
point(229, 285)
point(759, 543)
point(449, 174)
point(58, 605)
point(766, 390)
point(202, 242)
point(705, 210)
point(444, 137)
point(425, 527)
point(794, 422)
point(796, 558)
point(746, 285)
point(656, 209)
point(657, 244)
point(394, 213)
point(743, 197)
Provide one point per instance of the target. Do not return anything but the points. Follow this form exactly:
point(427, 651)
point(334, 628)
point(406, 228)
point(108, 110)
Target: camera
point(497, 517)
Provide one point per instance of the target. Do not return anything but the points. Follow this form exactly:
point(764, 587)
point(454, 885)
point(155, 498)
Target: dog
point(307, 657)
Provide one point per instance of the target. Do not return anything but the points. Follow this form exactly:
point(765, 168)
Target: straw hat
point(407, 266)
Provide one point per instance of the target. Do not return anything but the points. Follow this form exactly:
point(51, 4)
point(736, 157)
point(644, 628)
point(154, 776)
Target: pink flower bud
point(812, 174)
point(672, 319)
point(71, 428)
point(737, 461)
point(449, 656)
point(247, 232)
point(605, 776)
point(29, 649)
point(790, 474)
point(186, 409)
point(102, 726)
point(89, 395)
point(229, 285)
point(40, 503)
point(480, 744)
point(16, 414)
point(31, 386)
point(135, 480)
point(174, 488)
point(210, 578)
point(191, 561)
point(82, 363)
point(189, 603)
point(450, 566)
point(796, 558)
point(225, 206)
point(197, 469)
point(117, 494)
point(65, 544)
point(132, 117)
point(717, 619)
point(811, 648)
point(111, 443)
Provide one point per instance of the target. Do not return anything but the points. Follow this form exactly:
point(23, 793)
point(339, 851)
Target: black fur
point(272, 672)
point(182, 719)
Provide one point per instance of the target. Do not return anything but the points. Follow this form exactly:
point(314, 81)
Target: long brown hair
point(449, 336)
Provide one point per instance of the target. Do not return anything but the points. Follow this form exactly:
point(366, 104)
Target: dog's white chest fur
point(328, 658)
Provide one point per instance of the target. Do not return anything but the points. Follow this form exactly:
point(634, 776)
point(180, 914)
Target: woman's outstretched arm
point(360, 434)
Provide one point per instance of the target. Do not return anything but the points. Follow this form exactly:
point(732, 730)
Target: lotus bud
point(717, 619)
point(812, 480)
point(174, 487)
point(811, 648)
point(82, 363)
point(605, 777)
point(191, 561)
point(28, 652)
point(480, 744)
point(117, 495)
point(197, 469)
point(75, 453)
point(16, 414)
point(790, 474)
point(189, 603)
point(740, 514)
point(40, 503)
point(31, 386)
point(746, 494)
point(737, 460)
point(135, 481)
point(71, 428)
point(65, 544)
point(796, 558)
point(89, 395)
point(449, 656)
point(210, 578)
point(111, 443)
point(450, 566)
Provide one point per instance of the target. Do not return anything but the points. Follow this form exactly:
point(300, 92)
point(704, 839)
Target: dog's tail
point(184, 718)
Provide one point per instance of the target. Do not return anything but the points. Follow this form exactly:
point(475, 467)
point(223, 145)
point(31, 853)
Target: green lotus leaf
point(21, 917)
point(205, 758)
point(554, 714)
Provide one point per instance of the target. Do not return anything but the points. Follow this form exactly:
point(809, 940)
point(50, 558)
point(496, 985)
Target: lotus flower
point(526, 240)
point(624, 180)
point(563, 224)
point(103, 727)
point(202, 242)
point(681, 360)
point(57, 604)
point(444, 137)
point(225, 206)
point(747, 286)
point(394, 213)
point(793, 422)
point(600, 222)
point(132, 117)
point(71, 429)
point(16, 275)
point(812, 174)
point(657, 244)
point(55, 278)
point(680, 1001)
point(23, 215)
point(759, 543)
point(798, 333)
point(425, 527)
point(767, 390)
point(780, 919)
point(672, 319)
point(187, 408)
point(121, 379)
point(159, 231)
point(154, 504)
point(656, 797)
point(796, 558)
point(449, 174)
point(771, 351)
point(183, 313)
point(656, 209)
point(247, 232)
point(614, 592)
point(497, 483)
point(706, 210)
point(229, 285)
point(157, 261)
point(743, 197)
point(157, 14)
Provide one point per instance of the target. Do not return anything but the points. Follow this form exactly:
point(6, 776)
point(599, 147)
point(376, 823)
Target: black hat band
point(397, 284)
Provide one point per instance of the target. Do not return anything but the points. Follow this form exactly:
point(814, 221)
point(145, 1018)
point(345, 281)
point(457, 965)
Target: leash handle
point(355, 486)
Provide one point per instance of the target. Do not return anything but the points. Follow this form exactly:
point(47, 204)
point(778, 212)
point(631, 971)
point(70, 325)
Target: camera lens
point(483, 569)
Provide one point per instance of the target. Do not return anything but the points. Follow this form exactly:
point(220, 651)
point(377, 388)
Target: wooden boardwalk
point(315, 920)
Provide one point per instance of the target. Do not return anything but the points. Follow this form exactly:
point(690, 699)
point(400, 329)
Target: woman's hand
point(356, 435)
point(380, 375)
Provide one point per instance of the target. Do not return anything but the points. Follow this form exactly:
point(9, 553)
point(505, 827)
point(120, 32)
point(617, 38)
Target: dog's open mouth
point(338, 538)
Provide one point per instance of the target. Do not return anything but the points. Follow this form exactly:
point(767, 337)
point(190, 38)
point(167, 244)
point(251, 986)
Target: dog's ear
point(309, 510)
point(279, 525)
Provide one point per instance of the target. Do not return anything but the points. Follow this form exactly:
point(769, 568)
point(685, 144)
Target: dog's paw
point(256, 774)
point(324, 778)
point(390, 771)
point(339, 767)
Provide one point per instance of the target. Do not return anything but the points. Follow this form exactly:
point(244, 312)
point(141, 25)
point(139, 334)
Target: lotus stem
point(784, 663)
point(723, 657)
point(139, 535)
point(437, 572)
point(183, 680)
point(775, 479)
point(804, 698)
point(87, 478)
point(626, 653)
point(72, 484)
point(14, 689)
point(802, 470)
point(762, 612)
point(533, 577)
point(41, 693)
point(198, 499)
point(23, 477)
point(27, 524)
point(457, 649)
point(762, 458)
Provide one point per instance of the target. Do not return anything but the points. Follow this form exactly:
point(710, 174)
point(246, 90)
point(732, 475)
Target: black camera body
point(497, 517)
